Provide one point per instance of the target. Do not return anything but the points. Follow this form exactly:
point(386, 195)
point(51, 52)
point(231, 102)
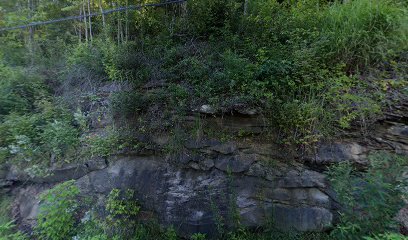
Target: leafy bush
point(370, 199)
point(85, 57)
point(351, 101)
point(387, 236)
point(198, 236)
point(59, 137)
point(56, 219)
point(26, 139)
point(18, 90)
point(122, 211)
point(8, 232)
point(207, 17)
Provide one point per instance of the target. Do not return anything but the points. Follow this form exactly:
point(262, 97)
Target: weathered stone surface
point(269, 172)
point(306, 178)
point(235, 164)
point(318, 198)
point(207, 109)
point(238, 124)
point(97, 163)
point(337, 152)
point(207, 164)
point(402, 218)
point(27, 204)
point(185, 197)
point(399, 130)
point(202, 143)
point(60, 174)
point(225, 148)
point(16, 174)
point(194, 165)
point(5, 183)
point(254, 177)
point(63, 174)
point(247, 111)
point(302, 218)
point(185, 158)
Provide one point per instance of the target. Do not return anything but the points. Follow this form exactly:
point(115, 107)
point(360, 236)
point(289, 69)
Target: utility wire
point(120, 9)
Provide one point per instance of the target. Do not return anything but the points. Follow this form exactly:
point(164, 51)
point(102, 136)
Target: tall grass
point(364, 32)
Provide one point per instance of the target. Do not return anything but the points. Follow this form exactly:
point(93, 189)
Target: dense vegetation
point(311, 68)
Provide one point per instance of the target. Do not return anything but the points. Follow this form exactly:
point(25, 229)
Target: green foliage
point(5, 209)
point(198, 236)
point(59, 137)
point(299, 120)
point(128, 104)
point(364, 31)
point(302, 64)
point(91, 230)
point(370, 199)
point(85, 57)
point(27, 139)
point(387, 236)
point(170, 234)
point(7, 232)
point(18, 90)
point(122, 211)
point(56, 219)
point(352, 101)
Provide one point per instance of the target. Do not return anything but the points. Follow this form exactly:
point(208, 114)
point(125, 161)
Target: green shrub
point(198, 236)
point(178, 96)
point(370, 199)
point(351, 101)
point(85, 57)
point(207, 17)
point(59, 138)
point(8, 232)
point(301, 121)
point(18, 90)
point(91, 228)
point(170, 234)
point(102, 146)
point(122, 209)
point(26, 139)
point(56, 219)
point(387, 236)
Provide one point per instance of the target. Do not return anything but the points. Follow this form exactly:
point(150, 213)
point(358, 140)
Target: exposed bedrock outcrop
point(210, 179)
point(191, 199)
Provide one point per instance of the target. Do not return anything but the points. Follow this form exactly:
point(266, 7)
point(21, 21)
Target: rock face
point(223, 182)
point(190, 199)
point(212, 182)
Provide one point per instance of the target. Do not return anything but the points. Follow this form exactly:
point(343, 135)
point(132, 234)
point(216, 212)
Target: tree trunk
point(118, 29)
point(80, 27)
point(103, 15)
point(86, 25)
point(127, 22)
point(31, 32)
point(89, 20)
